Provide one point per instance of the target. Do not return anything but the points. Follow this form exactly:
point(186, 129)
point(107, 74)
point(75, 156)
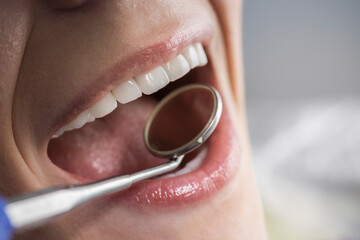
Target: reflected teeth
point(147, 83)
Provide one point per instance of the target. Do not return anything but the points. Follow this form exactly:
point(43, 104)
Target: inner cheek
point(108, 146)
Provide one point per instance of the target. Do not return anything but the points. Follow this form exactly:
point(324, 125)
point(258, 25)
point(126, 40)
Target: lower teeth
point(192, 165)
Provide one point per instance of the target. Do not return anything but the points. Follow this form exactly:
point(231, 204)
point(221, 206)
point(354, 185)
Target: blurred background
point(302, 76)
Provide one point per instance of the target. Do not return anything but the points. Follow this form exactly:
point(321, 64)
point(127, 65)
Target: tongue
point(108, 146)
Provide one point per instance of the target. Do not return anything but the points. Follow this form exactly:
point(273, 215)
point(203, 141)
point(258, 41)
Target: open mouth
point(106, 139)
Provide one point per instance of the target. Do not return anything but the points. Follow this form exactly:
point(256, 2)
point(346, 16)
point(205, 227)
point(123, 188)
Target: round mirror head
point(183, 120)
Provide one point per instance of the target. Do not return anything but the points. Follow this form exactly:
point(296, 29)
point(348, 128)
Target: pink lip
point(140, 62)
point(219, 167)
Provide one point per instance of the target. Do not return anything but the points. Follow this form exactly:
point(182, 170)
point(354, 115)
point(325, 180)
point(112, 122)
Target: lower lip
point(217, 169)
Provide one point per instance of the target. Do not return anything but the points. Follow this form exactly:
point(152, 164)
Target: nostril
point(66, 4)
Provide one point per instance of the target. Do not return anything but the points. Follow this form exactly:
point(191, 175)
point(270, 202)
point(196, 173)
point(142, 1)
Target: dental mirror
point(183, 120)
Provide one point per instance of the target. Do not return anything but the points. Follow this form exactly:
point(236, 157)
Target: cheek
point(226, 7)
point(15, 24)
point(16, 19)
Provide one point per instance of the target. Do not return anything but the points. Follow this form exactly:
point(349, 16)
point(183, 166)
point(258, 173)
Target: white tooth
point(176, 68)
point(127, 91)
point(152, 81)
point(91, 118)
point(104, 106)
point(80, 120)
point(59, 132)
point(191, 56)
point(68, 128)
point(201, 53)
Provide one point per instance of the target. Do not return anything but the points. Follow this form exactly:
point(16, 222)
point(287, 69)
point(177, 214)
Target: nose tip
point(66, 4)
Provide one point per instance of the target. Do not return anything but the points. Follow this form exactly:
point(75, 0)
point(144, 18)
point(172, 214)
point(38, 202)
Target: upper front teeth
point(202, 55)
point(127, 91)
point(152, 81)
point(191, 56)
point(104, 106)
point(147, 83)
point(177, 67)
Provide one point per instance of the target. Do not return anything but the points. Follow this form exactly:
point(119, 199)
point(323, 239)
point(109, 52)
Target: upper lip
point(141, 61)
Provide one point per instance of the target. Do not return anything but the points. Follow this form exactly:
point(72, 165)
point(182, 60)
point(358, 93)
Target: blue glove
point(5, 226)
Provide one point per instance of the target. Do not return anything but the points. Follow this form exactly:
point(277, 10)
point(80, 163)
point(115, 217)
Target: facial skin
point(52, 51)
